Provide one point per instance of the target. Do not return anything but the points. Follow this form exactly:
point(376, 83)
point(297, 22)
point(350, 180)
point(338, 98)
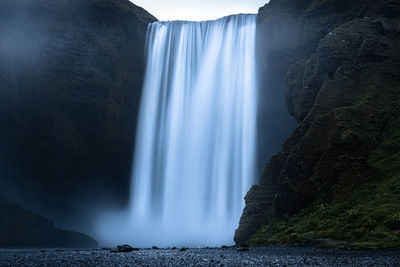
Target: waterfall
point(194, 158)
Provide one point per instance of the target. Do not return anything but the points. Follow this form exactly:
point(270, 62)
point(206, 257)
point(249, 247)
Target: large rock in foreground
point(22, 228)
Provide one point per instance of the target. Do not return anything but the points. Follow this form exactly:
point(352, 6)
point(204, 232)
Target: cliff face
point(70, 83)
point(22, 228)
point(338, 175)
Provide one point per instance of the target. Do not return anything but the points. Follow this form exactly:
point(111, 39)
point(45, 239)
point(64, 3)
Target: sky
point(198, 9)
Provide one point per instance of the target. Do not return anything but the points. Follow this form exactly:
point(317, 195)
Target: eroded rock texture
point(342, 66)
point(70, 82)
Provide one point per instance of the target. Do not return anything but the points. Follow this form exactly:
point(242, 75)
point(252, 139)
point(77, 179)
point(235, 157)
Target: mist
point(71, 76)
point(67, 116)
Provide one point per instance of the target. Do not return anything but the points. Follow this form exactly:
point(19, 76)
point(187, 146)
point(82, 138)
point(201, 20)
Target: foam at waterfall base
point(195, 144)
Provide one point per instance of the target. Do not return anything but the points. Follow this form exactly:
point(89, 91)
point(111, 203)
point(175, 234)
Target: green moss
point(366, 218)
point(370, 218)
point(362, 208)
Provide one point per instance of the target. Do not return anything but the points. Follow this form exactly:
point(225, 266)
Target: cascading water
point(195, 144)
point(194, 158)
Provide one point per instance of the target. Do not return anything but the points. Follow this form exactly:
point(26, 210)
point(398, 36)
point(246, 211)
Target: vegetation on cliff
point(337, 176)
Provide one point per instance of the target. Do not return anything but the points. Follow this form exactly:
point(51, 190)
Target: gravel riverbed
point(267, 256)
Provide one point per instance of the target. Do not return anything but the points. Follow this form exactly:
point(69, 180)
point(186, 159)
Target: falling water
point(195, 144)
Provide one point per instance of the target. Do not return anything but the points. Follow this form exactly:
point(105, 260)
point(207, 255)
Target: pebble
point(266, 256)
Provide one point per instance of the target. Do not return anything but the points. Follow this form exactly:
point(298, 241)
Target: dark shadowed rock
point(70, 82)
point(126, 248)
point(342, 68)
point(22, 228)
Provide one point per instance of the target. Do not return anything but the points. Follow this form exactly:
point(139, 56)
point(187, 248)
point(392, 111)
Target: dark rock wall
point(287, 32)
point(70, 82)
point(22, 228)
point(341, 61)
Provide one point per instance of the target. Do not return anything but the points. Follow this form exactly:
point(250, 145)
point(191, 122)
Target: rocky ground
point(266, 256)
